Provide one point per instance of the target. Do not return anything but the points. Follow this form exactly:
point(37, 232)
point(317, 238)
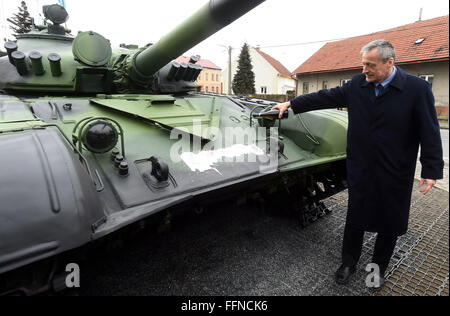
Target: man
point(390, 113)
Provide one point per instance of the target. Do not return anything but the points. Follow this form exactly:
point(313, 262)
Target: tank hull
point(232, 157)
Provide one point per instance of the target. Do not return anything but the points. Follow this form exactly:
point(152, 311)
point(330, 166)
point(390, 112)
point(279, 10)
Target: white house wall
point(265, 76)
point(285, 85)
point(315, 81)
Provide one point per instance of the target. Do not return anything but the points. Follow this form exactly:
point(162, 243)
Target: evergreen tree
point(21, 21)
point(244, 80)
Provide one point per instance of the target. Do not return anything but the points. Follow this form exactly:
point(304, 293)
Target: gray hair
point(385, 49)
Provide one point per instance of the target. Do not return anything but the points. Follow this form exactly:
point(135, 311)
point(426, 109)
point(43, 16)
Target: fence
point(275, 97)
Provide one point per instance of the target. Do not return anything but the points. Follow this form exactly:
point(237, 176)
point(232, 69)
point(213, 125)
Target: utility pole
point(230, 49)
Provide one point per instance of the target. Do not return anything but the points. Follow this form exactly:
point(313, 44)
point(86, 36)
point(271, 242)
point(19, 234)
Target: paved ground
point(444, 136)
point(243, 251)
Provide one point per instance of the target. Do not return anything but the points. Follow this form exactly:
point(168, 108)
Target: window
point(305, 87)
point(217, 78)
point(419, 41)
point(344, 81)
point(263, 90)
point(206, 89)
point(217, 89)
point(206, 76)
point(428, 78)
point(324, 85)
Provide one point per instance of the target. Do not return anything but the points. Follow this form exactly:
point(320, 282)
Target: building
point(209, 79)
point(422, 49)
point(271, 77)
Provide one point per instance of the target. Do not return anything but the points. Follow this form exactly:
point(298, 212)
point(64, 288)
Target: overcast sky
point(275, 22)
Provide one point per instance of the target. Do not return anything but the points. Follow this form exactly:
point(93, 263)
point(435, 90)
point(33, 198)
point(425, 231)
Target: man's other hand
point(282, 108)
point(429, 184)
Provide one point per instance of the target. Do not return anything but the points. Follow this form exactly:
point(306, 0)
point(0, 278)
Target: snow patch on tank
point(205, 160)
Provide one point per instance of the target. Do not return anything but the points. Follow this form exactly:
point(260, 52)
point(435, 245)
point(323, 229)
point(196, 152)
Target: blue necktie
point(378, 89)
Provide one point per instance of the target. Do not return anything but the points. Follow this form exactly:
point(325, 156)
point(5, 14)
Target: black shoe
point(343, 274)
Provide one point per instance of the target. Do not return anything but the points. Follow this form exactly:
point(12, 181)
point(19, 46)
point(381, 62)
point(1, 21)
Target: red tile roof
point(275, 63)
point(202, 62)
point(345, 54)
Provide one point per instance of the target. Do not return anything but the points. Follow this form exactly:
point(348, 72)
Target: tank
point(94, 140)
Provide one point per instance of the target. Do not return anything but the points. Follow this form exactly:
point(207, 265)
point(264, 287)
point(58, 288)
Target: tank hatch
point(91, 49)
point(14, 111)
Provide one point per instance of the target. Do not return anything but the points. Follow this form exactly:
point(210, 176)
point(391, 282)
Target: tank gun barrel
point(211, 18)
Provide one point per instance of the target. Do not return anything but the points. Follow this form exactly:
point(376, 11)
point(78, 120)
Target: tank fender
point(49, 203)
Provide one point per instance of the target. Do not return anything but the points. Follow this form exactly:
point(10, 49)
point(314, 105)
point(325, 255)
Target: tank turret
point(49, 59)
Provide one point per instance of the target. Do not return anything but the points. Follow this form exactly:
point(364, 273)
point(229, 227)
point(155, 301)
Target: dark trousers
point(352, 246)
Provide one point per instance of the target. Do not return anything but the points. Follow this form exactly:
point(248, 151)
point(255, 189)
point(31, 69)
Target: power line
point(305, 43)
point(344, 38)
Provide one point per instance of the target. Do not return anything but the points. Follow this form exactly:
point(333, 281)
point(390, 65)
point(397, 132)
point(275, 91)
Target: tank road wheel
point(310, 207)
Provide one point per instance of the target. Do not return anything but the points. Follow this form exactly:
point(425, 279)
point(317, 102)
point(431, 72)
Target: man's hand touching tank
point(429, 184)
point(282, 108)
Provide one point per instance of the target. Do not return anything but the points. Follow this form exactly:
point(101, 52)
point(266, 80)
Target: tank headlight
point(100, 137)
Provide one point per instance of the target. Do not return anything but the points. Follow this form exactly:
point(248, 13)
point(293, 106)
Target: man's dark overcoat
point(384, 134)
